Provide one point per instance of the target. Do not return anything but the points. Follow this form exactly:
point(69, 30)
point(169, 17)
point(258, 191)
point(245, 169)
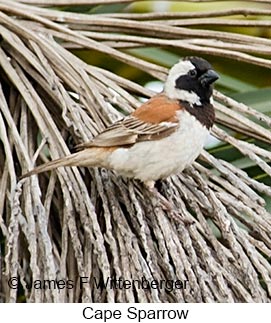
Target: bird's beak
point(208, 78)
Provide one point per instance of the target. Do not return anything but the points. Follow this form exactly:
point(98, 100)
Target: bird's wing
point(154, 120)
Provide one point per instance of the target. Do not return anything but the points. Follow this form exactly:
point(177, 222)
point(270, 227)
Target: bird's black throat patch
point(204, 113)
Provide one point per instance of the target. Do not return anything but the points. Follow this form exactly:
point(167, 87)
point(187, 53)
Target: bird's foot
point(164, 203)
point(167, 205)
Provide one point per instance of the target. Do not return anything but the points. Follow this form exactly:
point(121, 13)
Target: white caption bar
point(141, 313)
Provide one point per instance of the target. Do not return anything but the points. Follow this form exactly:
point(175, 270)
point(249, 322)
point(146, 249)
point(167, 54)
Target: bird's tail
point(86, 158)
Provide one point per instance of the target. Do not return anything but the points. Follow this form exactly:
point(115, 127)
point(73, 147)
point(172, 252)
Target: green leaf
point(259, 99)
point(243, 163)
point(157, 55)
point(268, 202)
point(234, 84)
point(110, 8)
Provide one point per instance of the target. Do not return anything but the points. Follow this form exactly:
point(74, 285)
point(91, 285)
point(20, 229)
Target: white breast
point(152, 160)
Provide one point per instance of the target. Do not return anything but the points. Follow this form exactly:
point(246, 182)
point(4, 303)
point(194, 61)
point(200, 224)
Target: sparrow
point(161, 137)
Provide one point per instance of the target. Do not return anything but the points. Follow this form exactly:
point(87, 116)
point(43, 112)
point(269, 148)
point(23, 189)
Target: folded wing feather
point(137, 127)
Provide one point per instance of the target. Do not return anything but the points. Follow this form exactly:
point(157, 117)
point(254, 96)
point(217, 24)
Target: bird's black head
point(198, 79)
point(191, 80)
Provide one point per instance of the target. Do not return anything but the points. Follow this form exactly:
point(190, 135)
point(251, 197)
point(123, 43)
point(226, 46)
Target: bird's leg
point(150, 185)
point(165, 204)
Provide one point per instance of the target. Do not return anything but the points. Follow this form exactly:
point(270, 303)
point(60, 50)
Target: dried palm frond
point(91, 223)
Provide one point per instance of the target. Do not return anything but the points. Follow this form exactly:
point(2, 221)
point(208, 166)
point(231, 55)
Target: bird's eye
point(192, 73)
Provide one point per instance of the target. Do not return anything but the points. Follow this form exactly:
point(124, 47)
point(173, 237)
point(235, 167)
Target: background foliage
point(70, 68)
